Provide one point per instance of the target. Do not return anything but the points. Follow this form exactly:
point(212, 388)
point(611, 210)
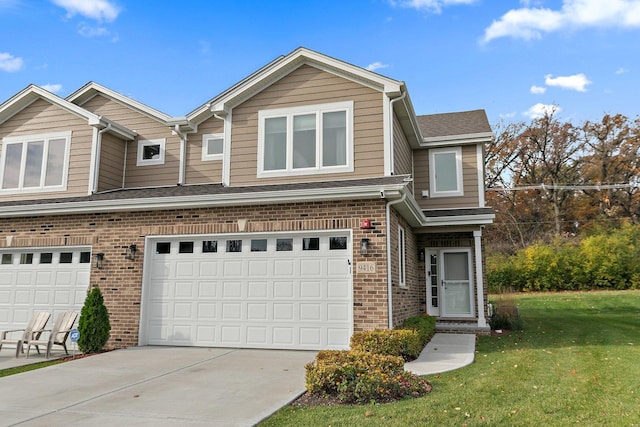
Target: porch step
point(462, 328)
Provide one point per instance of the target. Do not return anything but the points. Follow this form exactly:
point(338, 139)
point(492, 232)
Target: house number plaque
point(366, 267)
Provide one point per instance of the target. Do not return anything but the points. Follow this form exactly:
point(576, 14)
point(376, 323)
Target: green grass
point(577, 362)
point(26, 368)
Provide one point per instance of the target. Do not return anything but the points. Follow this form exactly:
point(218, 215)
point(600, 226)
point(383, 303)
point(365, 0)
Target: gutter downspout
point(96, 169)
point(389, 296)
point(391, 117)
point(183, 153)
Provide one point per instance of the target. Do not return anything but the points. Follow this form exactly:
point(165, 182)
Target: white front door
point(456, 283)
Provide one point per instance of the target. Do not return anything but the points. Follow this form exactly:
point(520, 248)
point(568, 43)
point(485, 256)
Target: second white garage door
point(254, 291)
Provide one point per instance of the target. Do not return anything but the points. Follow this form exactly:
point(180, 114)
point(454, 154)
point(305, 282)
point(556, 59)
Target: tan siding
point(309, 86)
point(147, 128)
point(402, 153)
point(469, 176)
point(197, 171)
point(111, 163)
point(41, 117)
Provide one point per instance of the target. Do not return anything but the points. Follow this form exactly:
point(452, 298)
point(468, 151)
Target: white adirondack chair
point(34, 329)
point(57, 335)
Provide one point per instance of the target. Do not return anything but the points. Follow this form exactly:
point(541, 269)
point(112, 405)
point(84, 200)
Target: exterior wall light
point(131, 252)
point(99, 259)
point(364, 247)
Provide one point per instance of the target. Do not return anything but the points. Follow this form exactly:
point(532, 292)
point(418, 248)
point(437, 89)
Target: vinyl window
point(306, 140)
point(151, 152)
point(35, 162)
point(445, 172)
point(212, 146)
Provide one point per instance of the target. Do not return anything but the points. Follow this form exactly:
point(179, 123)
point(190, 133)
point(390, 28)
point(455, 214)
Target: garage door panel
point(43, 278)
point(24, 278)
point(276, 296)
point(23, 297)
point(62, 297)
point(63, 278)
point(183, 310)
point(160, 270)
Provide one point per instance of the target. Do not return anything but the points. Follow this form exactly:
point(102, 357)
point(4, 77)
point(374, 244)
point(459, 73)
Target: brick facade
point(121, 280)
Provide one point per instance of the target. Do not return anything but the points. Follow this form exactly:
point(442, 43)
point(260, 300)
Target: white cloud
point(508, 115)
point(88, 31)
point(376, 66)
point(434, 6)
point(99, 10)
point(53, 88)
point(10, 63)
point(577, 82)
point(537, 90)
point(621, 71)
point(539, 110)
point(530, 23)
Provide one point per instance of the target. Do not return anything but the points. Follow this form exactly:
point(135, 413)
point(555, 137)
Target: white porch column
point(477, 238)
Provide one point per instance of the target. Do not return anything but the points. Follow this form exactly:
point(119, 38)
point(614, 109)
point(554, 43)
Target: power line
point(563, 187)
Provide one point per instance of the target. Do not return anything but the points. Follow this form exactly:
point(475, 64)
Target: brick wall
point(121, 280)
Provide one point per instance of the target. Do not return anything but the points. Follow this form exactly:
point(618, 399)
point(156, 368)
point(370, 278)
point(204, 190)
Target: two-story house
point(304, 203)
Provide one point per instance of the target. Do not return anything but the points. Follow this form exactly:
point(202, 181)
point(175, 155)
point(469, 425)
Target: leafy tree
point(94, 323)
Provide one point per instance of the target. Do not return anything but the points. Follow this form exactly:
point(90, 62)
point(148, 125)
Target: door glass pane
point(304, 141)
point(258, 245)
point(457, 289)
point(334, 138)
point(185, 248)
point(209, 246)
point(66, 257)
point(7, 258)
point(46, 258)
point(337, 243)
point(33, 165)
point(275, 143)
point(311, 244)
point(55, 162)
point(446, 172)
point(456, 266)
point(234, 245)
point(13, 158)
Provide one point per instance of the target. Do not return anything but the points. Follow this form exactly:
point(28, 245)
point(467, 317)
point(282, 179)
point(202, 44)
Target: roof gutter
point(201, 201)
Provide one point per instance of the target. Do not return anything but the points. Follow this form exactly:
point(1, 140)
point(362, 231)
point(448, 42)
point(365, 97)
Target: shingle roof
point(450, 124)
point(207, 190)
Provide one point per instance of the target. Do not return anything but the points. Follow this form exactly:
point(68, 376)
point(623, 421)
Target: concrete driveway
point(156, 386)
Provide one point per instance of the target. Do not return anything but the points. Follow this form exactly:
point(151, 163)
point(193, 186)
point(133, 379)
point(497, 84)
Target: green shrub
point(424, 325)
point(93, 325)
point(391, 342)
point(362, 377)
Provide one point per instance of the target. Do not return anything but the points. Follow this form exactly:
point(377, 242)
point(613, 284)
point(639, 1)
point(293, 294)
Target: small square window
point(66, 257)
point(85, 257)
point(234, 245)
point(163, 247)
point(46, 258)
point(212, 146)
point(337, 243)
point(151, 152)
point(7, 258)
point(284, 245)
point(209, 246)
point(311, 244)
point(26, 258)
point(185, 248)
point(258, 245)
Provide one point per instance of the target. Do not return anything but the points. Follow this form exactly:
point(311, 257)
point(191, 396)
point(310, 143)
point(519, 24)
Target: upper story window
point(306, 140)
point(445, 172)
point(35, 162)
point(151, 152)
point(212, 146)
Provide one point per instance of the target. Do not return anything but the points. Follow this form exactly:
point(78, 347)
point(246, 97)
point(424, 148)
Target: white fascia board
point(472, 138)
point(201, 201)
point(284, 65)
point(460, 220)
point(114, 128)
point(136, 105)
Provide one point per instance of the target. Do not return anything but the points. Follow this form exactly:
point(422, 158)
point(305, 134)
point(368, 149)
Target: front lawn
point(576, 362)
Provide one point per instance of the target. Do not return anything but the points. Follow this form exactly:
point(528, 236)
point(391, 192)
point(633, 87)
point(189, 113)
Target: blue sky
point(511, 58)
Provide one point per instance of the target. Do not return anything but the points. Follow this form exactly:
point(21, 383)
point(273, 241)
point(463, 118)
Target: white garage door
point(254, 291)
point(43, 279)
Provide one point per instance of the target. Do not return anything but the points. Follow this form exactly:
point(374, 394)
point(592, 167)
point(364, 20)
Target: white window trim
point(402, 257)
point(432, 172)
point(38, 137)
point(151, 162)
point(289, 113)
point(205, 151)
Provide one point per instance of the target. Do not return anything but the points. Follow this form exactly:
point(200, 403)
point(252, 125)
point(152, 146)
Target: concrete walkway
point(445, 352)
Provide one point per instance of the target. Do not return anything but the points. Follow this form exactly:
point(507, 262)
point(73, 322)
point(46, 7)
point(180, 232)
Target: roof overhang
point(443, 141)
